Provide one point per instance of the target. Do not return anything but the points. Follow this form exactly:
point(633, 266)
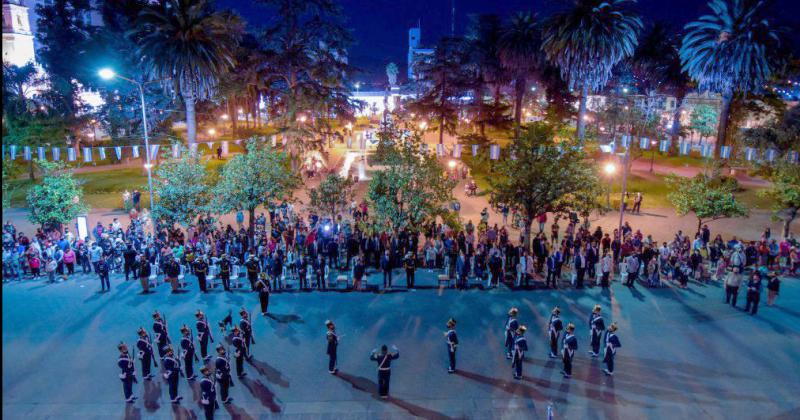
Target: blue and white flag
point(725, 152)
point(626, 141)
point(26, 153)
point(474, 150)
point(87, 154)
point(153, 151)
point(663, 146)
point(41, 152)
point(439, 150)
point(102, 152)
point(456, 151)
point(118, 152)
point(707, 150)
point(176, 151)
point(135, 150)
point(684, 147)
point(513, 155)
point(792, 156)
point(210, 145)
point(12, 151)
point(644, 143)
point(349, 142)
point(771, 155)
point(71, 152)
point(193, 149)
point(494, 152)
point(56, 154)
point(274, 139)
point(750, 154)
point(423, 148)
point(362, 143)
point(612, 147)
point(284, 140)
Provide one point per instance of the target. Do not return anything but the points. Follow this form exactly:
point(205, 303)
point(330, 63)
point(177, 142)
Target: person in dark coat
point(384, 360)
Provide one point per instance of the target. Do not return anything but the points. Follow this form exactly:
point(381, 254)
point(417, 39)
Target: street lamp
point(423, 125)
point(358, 86)
point(609, 170)
point(108, 74)
point(653, 144)
point(212, 131)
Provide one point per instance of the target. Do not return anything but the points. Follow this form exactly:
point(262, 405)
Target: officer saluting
point(241, 350)
point(208, 393)
point(223, 374)
point(172, 371)
point(597, 325)
point(145, 353)
point(247, 332)
point(452, 343)
point(128, 373)
point(384, 359)
point(160, 331)
point(554, 328)
point(612, 344)
point(252, 270)
point(187, 352)
point(225, 272)
point(333, 345)
point(203, 334)
point(200, 267)
point(520, 347)
point(262, 286)
point(569, 346)
point(511, 327)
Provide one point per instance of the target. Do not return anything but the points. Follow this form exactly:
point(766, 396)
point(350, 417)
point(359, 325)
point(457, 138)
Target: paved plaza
point(685, 354)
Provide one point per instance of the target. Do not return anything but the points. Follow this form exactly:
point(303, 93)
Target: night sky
point(380, 27)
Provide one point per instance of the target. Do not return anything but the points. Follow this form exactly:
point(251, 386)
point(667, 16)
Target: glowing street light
point(609, 169)
point(451, 164)
point(212, 131)
point(302, 118)
point(423, 125)
point(349, 126)
point(224, 116)
point(107, 73)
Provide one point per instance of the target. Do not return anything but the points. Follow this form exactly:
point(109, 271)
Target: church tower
point(17, 35)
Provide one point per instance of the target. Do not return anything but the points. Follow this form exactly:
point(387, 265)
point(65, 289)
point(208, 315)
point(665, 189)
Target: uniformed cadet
point(127, 374)
point(241, 350)
point(225, 272)
point(187, 352)
point(611, 346)
point(145, 353)
point(511, 327)
point(384, 360)
point(333, 345)
point(452, 342)
point(172, 372)
point(569, 346)
point(208, 393)
point(520, 347)
point(597, 326)
point(160, 331)
point(223, 374)
point(203, 334)
point(554, 328)
point(247, 332)
point(200, 267)
point(262, 286)
point(253, 270)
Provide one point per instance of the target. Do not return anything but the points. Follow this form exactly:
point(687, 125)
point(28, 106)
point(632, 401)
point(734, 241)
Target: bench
point(341, 279)
point(443, 279)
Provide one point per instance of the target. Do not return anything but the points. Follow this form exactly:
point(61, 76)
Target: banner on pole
point(750, 154)
point(770, 155)
point(154, 151)
point(626, 141)
point(474, 150)
point(725, 152)
point(684, 147)
point(644, 143)
point(12, 151)
point(663, 146)
point(56, 154)
point(102, 152)
point(706, 150)
point(118, 152)
point(71, 154)
point(41, 152)
point(456, 151)
point(87, 154)
point(792, 156)
point(274, 139)
point(494, 152)
point(439, 150)
point(135, 150)
point(26, 153)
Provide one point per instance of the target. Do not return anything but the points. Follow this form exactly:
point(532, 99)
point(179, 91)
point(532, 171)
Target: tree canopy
point(709, 196)
point(785, 194)
point(58, 199)
point(181, 190)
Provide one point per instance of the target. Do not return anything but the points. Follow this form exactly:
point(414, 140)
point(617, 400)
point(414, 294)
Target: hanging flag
point(176, 151)
point(792, 156)
point(135, 151)
point(626, 141)
point(685, 147)
point(707, 150)
point(644, 143)
point(474, 150)
point(238, 141)
point(225, 146)
point(153, 151)
point(26, 153)
point(457, 151)
point(362, 143)
point(663, 146)
point(349, 142)
point(284, 140)
point(750, 154)
point(771, 155)
point(193, 148)
point(102, 152)
point(56, 154)
point(513, 155)
point(725, 152)
point(210, 145)
point(274, 139)
point(612, 147)
point(87, 154)
point(423, 148)
point(12, 151)
point(41, 153)
point(71, 152)
point(118, 152)
point(494, 152)
point(439, 150)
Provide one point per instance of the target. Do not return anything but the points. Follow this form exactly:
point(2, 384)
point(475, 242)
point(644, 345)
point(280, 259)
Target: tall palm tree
point(587, 41)
point(732, 50)
point(190, 44)
point(520, 52)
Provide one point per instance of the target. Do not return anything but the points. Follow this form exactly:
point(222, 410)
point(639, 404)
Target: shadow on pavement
point(152, 392)
point(262, 393)
point(273, 375)
point(516, 388)
point(363, 384)
point(286, 319)
point(132, 412)
point(237, 412)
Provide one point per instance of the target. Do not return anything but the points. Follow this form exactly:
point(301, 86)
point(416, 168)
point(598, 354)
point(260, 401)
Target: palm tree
point(587, 41)
point(190, 44)
point(520, 52)
point(732, 50)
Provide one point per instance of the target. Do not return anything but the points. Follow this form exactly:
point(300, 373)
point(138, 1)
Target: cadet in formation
point(262, 287)
point(554, 328)
point(200, 268)
point(597, 326)
point(253, 270)
point(612, 344)
point(239, 342)
point(187, 352)
point(223, 374)
point(511, 327)
point(247, 332)
point(452, 343)
point(172, 372)
point(208, 393)
point(569, 346)
point(333, 345)
point(384, 360)
point(520, 347)
point(160, 331)
point(145, 353)
point(127, 374)
point(203, 334)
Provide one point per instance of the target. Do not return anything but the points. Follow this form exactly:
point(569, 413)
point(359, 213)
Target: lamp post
point(609, 169)
point(109, 74)
point(625, 158)
point(653, 144)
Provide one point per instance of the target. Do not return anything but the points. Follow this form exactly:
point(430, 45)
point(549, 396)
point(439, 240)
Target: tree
point(520, 53)
point(9, 171)
point(58, 199)
point(181, 190)
point(780, 134)
point(703, 120)
point(332, 195)
point(262, 176)
point(483, 45)
point(391, 74)
point(188, 45)
point(411, 191)
point(543, 176)
point(785, 194)
point(733, 50)
point(709, 196)
point(587, 41)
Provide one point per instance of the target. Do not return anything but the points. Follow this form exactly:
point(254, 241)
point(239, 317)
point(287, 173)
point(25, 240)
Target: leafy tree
point(587, 41)
point(520, 53)
point(189, 45)
point(36, 129)
point(332, 195)
point(706, 195)
point(733, 50)
point(781, 134)
point(58, 199)
point(9, 171)
point(411, 191)
point(181, 190)
point(20, 86)
point(261, 176)
point(785, 194)
point(543, 177)
point(703, 120)
point(391, 73)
